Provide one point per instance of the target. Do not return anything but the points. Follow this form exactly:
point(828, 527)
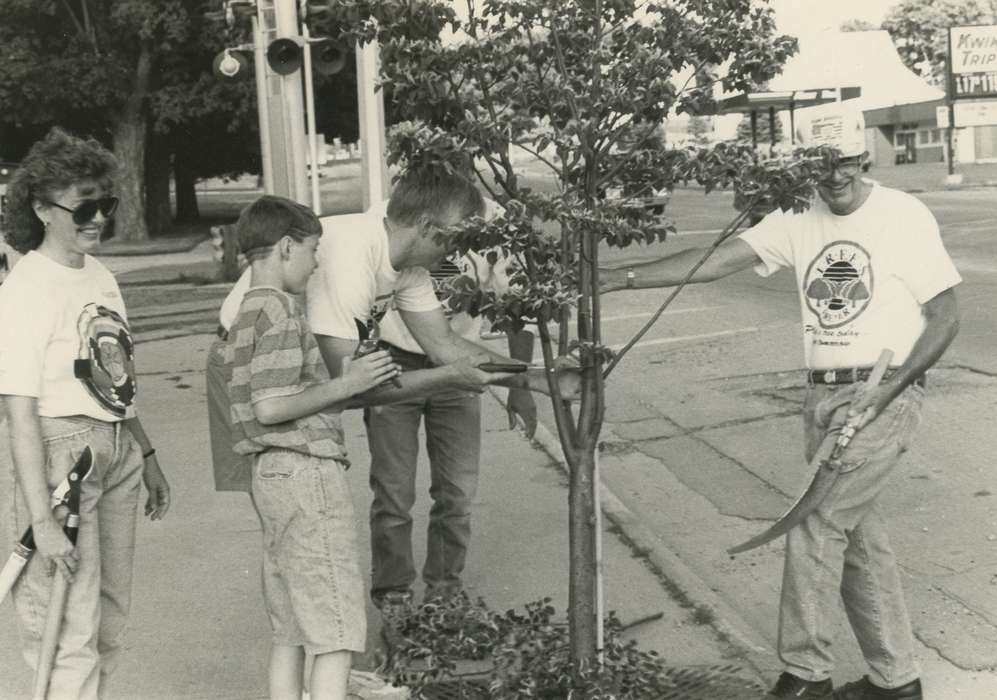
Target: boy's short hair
point(263, 223)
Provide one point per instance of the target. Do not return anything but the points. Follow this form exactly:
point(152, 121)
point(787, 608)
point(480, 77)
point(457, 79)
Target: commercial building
point(905, 116)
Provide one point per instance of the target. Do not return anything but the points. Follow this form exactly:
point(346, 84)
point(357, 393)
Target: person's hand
point(520, 403)
point(569, 378)
point(159, 490)
point(868, 403)
point(467, 376)
point(368, 371)
point(828, 406)
point(53, 545)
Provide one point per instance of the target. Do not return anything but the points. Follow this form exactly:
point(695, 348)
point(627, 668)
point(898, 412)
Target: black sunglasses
point(86, 210)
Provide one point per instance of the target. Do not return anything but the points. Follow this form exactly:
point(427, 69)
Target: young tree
point(919, 29)
point(583, 88)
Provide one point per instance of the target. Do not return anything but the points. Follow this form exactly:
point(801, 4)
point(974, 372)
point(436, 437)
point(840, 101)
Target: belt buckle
point(830, 376)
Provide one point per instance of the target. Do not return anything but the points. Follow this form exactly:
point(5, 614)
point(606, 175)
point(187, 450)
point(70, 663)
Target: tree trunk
point(129, 132)
point(581, 585)
point(186, 192)
point(158, 213)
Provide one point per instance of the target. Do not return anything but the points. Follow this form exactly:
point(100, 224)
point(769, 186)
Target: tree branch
point(724, 235)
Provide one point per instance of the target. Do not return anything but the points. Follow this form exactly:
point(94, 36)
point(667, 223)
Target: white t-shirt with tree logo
point(65, 340)
point(862, 278)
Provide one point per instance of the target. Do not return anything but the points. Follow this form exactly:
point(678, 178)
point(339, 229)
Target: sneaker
point(790, 686)
point(451, 596)
point(865, 690)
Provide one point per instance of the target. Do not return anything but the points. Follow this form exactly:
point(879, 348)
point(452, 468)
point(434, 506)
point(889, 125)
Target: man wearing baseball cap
point(872, 274)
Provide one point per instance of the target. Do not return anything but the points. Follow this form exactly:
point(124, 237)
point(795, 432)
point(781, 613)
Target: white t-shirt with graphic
point(862, 277)
point(65, 339)
point(355, 279)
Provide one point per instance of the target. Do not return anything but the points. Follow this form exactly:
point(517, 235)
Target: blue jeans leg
point(843, 548)
point(100, 596)
point(393, 438)
point(453, 441)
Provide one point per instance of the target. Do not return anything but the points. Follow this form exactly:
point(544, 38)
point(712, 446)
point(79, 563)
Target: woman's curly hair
point(56, 163)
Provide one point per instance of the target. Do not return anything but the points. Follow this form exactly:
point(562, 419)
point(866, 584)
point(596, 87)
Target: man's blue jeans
point(843, 548)
point(453, 442)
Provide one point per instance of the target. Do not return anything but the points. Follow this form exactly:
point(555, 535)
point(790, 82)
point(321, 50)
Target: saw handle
point(875, 377)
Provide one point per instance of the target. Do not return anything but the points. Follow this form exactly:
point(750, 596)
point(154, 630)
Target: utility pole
point(278, 19)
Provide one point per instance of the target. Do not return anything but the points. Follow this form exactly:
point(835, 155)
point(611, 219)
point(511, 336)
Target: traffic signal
point(284, 56)
point(328, 58)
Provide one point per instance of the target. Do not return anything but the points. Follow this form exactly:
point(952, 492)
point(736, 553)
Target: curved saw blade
point(820, 485)
point(824, 478)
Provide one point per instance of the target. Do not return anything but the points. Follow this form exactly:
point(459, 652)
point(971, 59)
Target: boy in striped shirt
point(285, 416)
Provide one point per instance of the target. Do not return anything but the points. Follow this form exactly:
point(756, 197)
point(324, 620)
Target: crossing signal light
point(284, 56)
point(328, 58)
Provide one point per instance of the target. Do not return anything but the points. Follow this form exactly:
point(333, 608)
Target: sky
point(801, 17)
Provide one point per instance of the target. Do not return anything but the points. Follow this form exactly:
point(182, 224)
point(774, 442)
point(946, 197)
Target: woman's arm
point(152, 474)
point(28, 452)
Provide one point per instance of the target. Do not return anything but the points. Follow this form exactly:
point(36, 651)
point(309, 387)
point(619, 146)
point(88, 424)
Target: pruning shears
point(66, 494)
point(60, 586)
point(370, 339)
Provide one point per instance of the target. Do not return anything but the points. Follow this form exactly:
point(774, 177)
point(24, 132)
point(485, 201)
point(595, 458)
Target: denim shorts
point(312, 586)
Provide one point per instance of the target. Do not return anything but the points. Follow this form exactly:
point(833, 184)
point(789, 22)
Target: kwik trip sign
point(973, 61)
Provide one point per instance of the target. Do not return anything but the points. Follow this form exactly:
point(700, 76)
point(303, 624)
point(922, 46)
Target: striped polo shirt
point(272, 353)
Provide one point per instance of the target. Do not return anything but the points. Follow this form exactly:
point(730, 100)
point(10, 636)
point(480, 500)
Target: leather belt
point(848, 375)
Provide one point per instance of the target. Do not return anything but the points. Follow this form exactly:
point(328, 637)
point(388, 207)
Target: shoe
point(790, 686)
point(446, 596)
point(865, 690)
point(396, 610)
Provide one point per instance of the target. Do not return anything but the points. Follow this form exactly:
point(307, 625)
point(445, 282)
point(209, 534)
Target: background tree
point(91, 66)
point(857, 25)
point(583, 87)
point(700, 130)
point(919, 29)
point(136, 75)
point(763, 131)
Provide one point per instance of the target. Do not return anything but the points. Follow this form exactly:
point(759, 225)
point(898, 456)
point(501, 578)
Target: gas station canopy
point(776, 101)
point(747, 102)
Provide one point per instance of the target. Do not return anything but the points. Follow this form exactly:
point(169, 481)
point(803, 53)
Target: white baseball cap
point(836, 125)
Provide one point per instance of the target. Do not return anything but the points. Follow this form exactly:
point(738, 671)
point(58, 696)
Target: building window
point(928, 137)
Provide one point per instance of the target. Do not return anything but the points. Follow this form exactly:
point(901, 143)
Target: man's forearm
point(941, 328)
point(666, 272)
point(731, 256)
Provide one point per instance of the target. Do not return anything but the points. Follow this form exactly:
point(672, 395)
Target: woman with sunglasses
point(67, 382)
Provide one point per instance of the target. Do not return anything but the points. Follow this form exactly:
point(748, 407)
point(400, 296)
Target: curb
point(726, 621)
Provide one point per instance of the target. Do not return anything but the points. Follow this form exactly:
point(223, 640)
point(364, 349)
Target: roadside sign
point(942, 117)
point(981, 113)
point(973, 61)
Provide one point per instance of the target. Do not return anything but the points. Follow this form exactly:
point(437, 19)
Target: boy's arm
point(356, 376)
point(462, 376)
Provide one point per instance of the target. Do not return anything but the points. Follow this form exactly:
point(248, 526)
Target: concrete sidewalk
point(198, 629)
